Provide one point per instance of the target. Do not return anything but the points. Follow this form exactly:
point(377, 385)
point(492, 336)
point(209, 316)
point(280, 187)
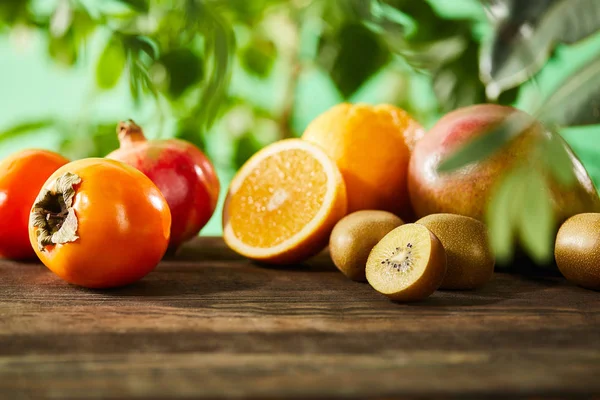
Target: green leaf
point(138, 5)
point(134, 78)
point(185, 69)
point(387, 21)
point(502, 213)
point(557, 159)
point(83, 26)
point(104, 139)
point(536, 229)
point(430, 56)
point(429, 25)
point(415, 32)
point(526, 35)
point(189, 129)
point(248, 12)
point(245, 147)
point(577, 100)
point(457, 83)
point(487, 143)
point(141, 79)
point(63, 49)
point(12, 10)
point(141, 43)
point(110, 64)
point(258, 57)
point(352, 55)
point(509, 96)
point(220, 44)
point(61, 19)
point(25, 128)
point(520, 207)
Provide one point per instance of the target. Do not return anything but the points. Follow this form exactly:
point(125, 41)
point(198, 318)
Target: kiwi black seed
point(401, 261)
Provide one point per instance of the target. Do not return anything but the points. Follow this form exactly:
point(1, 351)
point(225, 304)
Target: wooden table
point(211, 324)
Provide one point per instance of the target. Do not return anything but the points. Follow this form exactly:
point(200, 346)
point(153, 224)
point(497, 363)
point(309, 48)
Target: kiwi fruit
point(465, 239)
point(408, 264)
point(354, 236)
point(577, 252)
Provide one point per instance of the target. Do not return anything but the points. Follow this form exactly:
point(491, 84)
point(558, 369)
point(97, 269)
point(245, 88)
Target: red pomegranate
point(181, 171)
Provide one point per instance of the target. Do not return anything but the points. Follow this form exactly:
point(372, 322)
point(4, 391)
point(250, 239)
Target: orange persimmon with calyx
point(100, 223)
point(283, 203)
point(371, 146)
point(21, 178)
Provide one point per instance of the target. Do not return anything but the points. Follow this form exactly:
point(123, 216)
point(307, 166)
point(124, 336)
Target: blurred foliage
point(181, 55)
point(525, 35)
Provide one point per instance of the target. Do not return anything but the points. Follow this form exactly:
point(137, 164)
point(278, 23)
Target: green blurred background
point(233, 76)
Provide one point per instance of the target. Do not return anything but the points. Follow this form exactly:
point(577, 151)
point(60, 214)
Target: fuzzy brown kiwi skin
point(470, 258)
point(355, 235)
point(577, 252)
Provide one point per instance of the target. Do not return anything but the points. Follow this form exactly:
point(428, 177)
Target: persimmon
point(100, 223)
point(21, 178)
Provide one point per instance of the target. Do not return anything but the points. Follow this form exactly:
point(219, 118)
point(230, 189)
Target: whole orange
point(371, 146)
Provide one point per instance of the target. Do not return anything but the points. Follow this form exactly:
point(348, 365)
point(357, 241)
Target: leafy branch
point(522, 42)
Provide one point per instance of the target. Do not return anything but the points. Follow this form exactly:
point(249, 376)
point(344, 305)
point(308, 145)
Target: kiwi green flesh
point(354, 237)
point(577, 250)
point(465, 239)
point(408, 264)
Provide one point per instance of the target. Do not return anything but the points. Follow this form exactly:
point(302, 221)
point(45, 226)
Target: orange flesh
point(284, 192)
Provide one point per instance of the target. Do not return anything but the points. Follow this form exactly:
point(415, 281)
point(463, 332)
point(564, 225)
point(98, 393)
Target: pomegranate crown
point(129, 132)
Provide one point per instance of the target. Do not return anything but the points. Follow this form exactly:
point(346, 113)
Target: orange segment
point(283, 203)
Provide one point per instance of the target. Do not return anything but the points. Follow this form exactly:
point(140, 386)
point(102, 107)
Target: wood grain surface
point(211, 324)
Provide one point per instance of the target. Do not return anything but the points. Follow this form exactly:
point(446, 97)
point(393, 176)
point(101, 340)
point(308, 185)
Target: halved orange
point(283, 203)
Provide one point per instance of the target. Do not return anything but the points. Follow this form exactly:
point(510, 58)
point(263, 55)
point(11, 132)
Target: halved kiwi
point(355, 235)
point(408, 264)
point(577, 252)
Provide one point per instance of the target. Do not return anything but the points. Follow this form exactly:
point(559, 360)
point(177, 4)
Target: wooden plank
point(211, 324)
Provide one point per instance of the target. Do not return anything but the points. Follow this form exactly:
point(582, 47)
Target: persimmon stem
point(57, 219)
point(53, 214)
